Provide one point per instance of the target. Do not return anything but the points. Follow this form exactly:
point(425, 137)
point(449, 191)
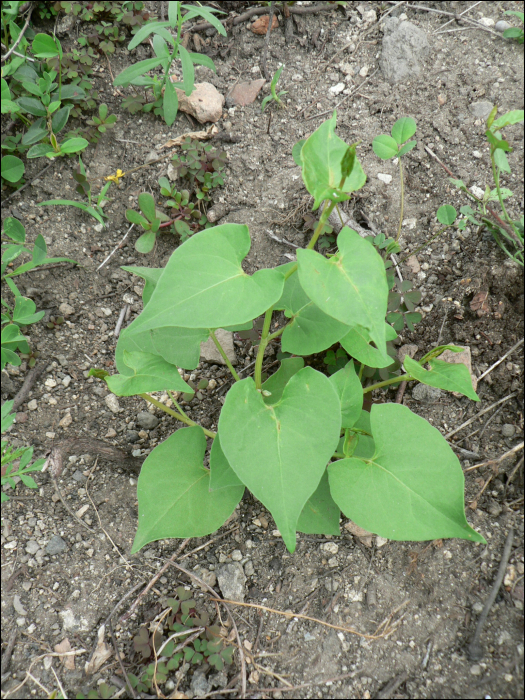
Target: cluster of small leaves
point(401, 305)
point(101, 692)
point(274, 95)
point(186, 216)
point(130, 13)
point(207, 649)
point(16, 463)
point(150, 220)
point(24, 311)
point(335, 360)
point(200, 165)
point(507, 232)
point(326, 238)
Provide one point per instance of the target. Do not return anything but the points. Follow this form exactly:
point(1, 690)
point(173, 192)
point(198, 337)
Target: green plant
point(166, 101)
point(94, 208)
point(300, 441)
point(150, 220)
point(200, 165)
point(515, 32)
point(275, 96)
point(24, 311)
point(23, 455)
point(507, 233)
point(395, 146)
point(46, 104)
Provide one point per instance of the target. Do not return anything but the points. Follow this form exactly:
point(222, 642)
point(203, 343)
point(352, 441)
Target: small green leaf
point(403, 130)
point(136, 69)
point(145, 243)
point(147, 205)
point(443, 375)
point(13, 228)
point(170, 103)
point(44, 46)
point(135, 218)
point(149, 373)
point(446, 215)
point(73, 145)
point(12, 168)
point(385, 147)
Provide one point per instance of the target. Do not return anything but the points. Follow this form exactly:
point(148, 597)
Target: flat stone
point(404, 47)
point(502, 25)
point(56, 545)
point(66, 421)
point(205, 102)
point(405, 350)
point(112, 403)
point(481, 110)
point(232, 581)
point(147, 420)
point(245, 93)
point(32, 547)
point(209, 352)
point(508, 430)
point(66, 309)
point(426, 394)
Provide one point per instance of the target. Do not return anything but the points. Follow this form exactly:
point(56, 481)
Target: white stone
point(387, 179)
point(477, 191)
point(32, 405)
point(66, 421)
point(112, 403)
point(487, 21)
point(66, 381)
point(336, 89)
point(50, 382)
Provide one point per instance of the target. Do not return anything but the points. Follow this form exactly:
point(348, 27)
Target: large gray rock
point(405, 46)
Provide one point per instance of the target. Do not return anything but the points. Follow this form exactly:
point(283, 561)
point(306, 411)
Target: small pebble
point(50, 383)
point(147, 421)
point(56, 545)
point(337, 89)
point(508, 430)
point(112, 403)
point(502, 25)
point(32, 405)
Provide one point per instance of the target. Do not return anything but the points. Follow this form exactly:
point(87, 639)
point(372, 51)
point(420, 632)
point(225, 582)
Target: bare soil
point(431, 593)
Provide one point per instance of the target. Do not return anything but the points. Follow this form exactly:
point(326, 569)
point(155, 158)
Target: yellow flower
point(115, 178)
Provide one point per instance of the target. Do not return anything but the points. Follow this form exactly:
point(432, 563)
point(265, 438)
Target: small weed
point(24, 311)
point(12, 470)
point(275, 96)
point(94, 207)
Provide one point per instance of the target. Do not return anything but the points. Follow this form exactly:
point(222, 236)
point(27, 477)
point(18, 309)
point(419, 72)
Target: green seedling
point(515, 32)
point(167, 49)
point(395, 146)
point(93, 208)
point(285, 438)
point(150, 222)
point(275, 96)
point(103, 122)
point(507, 233)
point(24, 311)
point(16, 463)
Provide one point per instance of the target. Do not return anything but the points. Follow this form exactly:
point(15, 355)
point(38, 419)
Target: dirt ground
point(61, 581)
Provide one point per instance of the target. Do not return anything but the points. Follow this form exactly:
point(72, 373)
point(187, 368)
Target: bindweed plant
point(507, 233)
point(166, 101)
point(299, 441)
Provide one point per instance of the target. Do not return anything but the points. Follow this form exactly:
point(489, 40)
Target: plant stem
point(179, 416)
point(402, 199)
point(324, 218)
point(176, 403)
point(395, 380)
point(338, 455)
point(495, 175)
point(262, 347)
point(272, 336)
point(224, 356)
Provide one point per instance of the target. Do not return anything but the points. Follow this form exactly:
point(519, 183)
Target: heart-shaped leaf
point(321, 158)
point(351, 286)
point(149, 373)
point(204, 285)
point(443, 375)
point(403, 129)
point(174, 494)
point(411, 488)
point(289, 443)
point(385, 147)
